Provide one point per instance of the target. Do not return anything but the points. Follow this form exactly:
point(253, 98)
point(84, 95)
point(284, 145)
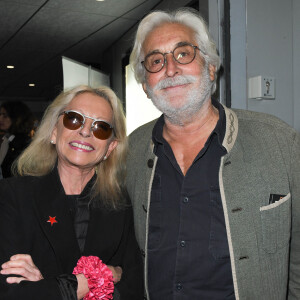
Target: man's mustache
point(178, 80)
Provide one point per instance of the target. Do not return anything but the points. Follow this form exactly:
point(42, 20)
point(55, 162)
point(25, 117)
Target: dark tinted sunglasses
point(74, 120)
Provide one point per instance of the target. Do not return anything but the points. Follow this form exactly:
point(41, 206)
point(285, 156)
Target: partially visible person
point(215, 191)
point(70, 202)
point(2, 133)
point(16, 122)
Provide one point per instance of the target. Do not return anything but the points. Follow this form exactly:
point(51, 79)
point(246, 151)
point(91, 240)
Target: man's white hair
point(185, 16)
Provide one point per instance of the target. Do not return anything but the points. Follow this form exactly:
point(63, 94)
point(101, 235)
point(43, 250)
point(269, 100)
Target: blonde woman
point(69, 202)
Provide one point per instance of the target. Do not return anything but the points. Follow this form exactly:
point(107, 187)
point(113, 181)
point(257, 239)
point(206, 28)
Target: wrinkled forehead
point(166, 36)
point(91, 104)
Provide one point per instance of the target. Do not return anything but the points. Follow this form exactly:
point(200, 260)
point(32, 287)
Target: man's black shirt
point(188, 256)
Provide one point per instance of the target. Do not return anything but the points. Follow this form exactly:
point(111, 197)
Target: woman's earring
point(52, 142)
point(105, 157)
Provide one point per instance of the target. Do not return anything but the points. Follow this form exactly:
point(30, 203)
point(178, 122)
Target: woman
point(69, 201)
point(16, 122)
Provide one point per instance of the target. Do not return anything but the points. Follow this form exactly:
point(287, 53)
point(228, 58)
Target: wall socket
point(261, 87)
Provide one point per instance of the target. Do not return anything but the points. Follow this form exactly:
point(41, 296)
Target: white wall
point(265, 41)
point(296, 62)
point(270, 52)
point(76, 73)
point(139, 109)
point(238, 54)
point(215, 19)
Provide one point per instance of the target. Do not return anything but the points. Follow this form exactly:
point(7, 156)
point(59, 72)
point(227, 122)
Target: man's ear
point(212, 72)
point(145, 90)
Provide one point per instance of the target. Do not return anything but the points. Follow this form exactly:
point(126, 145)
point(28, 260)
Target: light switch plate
point(261, 87)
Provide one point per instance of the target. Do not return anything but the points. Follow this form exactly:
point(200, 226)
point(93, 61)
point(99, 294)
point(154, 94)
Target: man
point(215, 191)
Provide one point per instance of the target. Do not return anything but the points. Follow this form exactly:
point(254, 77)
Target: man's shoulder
point(140, 142)
point(142, 132)
point(263, 120)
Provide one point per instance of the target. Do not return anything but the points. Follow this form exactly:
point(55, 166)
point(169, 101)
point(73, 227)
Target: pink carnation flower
point(99, 276)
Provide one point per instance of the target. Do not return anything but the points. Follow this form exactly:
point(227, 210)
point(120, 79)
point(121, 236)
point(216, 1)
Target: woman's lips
point(81, 146)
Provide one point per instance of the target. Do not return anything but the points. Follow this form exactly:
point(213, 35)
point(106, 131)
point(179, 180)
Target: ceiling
point(35, 34)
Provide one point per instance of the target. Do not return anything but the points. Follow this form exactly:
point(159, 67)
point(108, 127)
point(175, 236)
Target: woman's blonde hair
point(40, 157)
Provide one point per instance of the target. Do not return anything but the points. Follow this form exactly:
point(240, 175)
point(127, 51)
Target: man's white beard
point(195, 98)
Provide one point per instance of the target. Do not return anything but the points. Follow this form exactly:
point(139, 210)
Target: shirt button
point(185, 199)
point(179, 286)
point(182, 243)
point(150, 163)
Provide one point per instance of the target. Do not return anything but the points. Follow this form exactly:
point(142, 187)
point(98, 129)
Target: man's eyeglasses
point(73, 120)
point(183, 54)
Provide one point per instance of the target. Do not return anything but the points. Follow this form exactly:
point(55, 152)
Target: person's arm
point(116, 272)
point(83, 287)
point(20, 277)
point(11, 243)
point(294, 276)
point(22, 265)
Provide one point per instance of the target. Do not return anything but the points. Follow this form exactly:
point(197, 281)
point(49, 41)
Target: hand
point(117, 273)
point(83, 287)
point(21, 264)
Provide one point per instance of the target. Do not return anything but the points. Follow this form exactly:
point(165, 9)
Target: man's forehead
point(162, 49)
point(166, 37)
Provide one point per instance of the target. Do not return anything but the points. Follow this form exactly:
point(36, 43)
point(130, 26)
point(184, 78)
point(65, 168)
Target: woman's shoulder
point(14, 190)
point(20, 183)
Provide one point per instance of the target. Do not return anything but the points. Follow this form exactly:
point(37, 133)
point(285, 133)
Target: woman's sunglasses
point(73, 120)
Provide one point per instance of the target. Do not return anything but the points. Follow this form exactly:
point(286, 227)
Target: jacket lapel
point(111, 225)
point(54, 216)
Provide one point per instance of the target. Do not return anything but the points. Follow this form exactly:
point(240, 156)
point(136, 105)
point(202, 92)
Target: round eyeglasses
point(183, 54)
point(74, 120)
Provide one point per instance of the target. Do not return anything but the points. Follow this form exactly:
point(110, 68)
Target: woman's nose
point(86, 129)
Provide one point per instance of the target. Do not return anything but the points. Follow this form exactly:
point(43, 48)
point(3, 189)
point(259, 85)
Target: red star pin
point(52, 220)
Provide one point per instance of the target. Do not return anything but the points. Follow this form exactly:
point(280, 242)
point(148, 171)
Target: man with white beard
point(215, 191)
